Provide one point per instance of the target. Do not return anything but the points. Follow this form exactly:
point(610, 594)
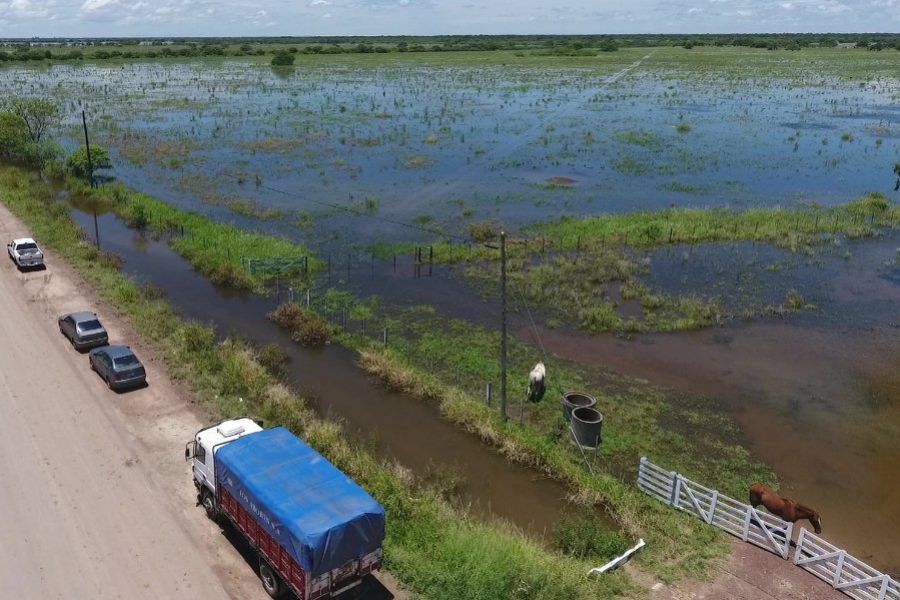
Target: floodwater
point(443, 146)
point(399, 427)
point(817, 395)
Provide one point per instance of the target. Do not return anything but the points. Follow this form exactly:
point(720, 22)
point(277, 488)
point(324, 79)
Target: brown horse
point(785, 508)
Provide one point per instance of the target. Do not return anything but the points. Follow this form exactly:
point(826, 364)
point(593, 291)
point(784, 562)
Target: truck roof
point(18, 241)
point(312, 509)
point(227, 430)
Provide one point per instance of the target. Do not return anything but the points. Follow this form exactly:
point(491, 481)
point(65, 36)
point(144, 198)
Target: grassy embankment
point(217, 250)
point(447, 362)
point(437, 551)
point(575, 268)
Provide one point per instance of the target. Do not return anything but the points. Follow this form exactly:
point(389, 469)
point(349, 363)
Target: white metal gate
point(738, 519)
point(842, 571)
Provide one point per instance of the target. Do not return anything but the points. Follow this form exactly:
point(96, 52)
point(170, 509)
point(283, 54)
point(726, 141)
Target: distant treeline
point(17, 50)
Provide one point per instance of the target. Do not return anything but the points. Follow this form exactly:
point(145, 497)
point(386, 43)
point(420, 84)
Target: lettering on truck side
point(258, 512)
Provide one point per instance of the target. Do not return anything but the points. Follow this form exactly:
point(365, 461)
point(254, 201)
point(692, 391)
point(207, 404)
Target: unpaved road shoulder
point(95, 499)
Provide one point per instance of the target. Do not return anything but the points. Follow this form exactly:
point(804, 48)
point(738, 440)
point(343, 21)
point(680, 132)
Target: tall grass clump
point(306, 327)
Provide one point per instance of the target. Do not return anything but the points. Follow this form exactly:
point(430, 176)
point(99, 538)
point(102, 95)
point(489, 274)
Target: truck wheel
point(270, 580)
point(209, 505)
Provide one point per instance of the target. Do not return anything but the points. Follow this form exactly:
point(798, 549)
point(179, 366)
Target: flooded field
point(341, 153)
point(443, 143)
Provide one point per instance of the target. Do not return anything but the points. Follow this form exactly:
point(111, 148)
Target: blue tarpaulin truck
point(316, 531)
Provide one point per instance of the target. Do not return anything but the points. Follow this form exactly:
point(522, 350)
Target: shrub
point(306, 327)
point(484, 231)
point(78, 160)
point(274, 358)
point(229, 275)
point(282, 58)
point(608, 45)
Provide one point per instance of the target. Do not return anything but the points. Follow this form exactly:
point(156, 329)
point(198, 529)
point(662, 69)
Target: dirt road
point(751, 574)
point(95, 499)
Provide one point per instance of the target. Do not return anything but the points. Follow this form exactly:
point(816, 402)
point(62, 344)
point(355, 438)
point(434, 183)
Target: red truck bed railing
point(292, 574)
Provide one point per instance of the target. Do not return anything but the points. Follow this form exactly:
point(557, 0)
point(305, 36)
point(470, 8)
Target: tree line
point(71, 49)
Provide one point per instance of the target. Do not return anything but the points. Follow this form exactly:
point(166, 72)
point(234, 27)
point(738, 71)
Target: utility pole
point(503, 324)
point(87, 146)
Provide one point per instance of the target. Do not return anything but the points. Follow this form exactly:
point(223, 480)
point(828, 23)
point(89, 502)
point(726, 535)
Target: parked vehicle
point(25, 253)
point(316, 532)
point(119, 367)
point(83, 329)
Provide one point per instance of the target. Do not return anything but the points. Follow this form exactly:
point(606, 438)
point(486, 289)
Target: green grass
point(580, 271)
point(434, 549)
point(217, 250)
point(795, 229)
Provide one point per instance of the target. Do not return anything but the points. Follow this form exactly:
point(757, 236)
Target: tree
point(23, 132)
point(608, 45)
point(78, 161)
point(282, 58)
point(37, 114)
point(12, 134)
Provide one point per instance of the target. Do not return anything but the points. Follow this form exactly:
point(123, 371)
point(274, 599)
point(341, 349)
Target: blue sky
point(25, 18)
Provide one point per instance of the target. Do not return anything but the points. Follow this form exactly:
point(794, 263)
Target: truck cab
point(200, 452)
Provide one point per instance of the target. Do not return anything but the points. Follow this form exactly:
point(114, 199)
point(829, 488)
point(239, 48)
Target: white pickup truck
point(25, 253)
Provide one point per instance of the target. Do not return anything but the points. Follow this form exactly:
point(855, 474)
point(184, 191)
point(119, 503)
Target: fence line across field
point(833, 565)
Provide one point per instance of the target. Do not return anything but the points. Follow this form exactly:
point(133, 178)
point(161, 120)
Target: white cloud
point(27, 9)
point(24, 18)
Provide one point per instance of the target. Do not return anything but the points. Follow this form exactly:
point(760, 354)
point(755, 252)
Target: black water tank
point(573, 400)
point(586, 425)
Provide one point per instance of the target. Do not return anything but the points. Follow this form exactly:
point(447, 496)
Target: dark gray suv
point(118, 366)
point(83, 329)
